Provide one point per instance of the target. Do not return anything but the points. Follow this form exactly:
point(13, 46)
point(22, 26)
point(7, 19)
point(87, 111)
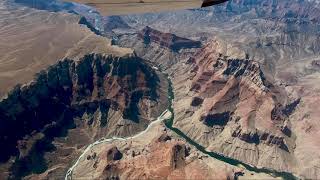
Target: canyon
point(229, 91)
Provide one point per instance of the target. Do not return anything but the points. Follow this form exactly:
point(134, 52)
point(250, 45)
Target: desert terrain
point(228, 91)
point(32, 40)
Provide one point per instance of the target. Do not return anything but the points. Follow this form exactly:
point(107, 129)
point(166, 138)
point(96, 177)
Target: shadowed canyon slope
point(97, 96)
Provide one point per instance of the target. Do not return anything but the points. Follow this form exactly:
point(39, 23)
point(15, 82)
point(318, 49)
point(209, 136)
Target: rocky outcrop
point(164, 138)
point(114, 22)
point(84, 21)
point(159, 160)
point(113, 154)
point(196, 101)
point(258, 137)
point(167, 40)
point(97, 96)
point(178, 156)
point(316, 64)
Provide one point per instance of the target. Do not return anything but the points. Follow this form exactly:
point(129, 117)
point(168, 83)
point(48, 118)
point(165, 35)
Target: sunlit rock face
point(232, 108)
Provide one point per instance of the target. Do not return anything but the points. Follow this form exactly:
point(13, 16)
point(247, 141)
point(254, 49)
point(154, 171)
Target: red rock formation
point(170, 159)
point(113, 154)
point(167, 40)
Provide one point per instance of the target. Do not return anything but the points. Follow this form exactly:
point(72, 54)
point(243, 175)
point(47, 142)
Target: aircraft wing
point(121, 7)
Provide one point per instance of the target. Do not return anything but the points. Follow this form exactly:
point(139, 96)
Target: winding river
point(169, 124)
point(103, 140)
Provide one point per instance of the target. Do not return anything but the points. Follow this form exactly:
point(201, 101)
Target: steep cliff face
point(167, 40)
point(114, 22)
point(97, 96)
point(149, 46)
point(232, 108)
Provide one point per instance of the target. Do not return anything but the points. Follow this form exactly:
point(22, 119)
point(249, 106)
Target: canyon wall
point(73, 103)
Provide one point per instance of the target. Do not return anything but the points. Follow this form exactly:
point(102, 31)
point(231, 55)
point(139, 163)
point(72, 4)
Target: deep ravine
point(169, 125)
